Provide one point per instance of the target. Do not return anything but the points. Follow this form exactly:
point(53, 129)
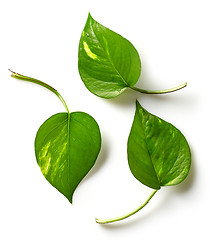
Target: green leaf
point(66, 148)
point(108, 63)
point(66, 145)
point(158, 153)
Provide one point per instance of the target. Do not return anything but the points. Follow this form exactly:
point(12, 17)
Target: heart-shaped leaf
point(158, 153)
point(66, 147)
point(108, 63)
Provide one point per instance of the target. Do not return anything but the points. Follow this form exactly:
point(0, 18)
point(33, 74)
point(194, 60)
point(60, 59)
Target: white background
point(176, 41)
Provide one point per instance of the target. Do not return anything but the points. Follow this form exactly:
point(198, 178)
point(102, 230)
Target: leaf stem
point(159, 91)
point(33, 80)
point(111, 220)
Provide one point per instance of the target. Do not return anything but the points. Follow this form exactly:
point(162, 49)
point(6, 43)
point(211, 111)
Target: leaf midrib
point(141, 119)
point(68, 155)
point(108, 56)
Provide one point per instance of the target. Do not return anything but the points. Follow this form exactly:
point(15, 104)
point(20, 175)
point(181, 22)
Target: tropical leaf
point(158, 153)
point(108, 63)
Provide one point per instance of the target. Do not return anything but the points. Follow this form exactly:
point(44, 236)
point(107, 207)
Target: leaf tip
point(138, 106)
point(70, 200)
point(68, 195)
point(90, 16)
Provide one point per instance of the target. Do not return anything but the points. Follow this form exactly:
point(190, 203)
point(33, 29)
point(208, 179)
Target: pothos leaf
point(108, 63)
point(158, 153)
point(66, 147)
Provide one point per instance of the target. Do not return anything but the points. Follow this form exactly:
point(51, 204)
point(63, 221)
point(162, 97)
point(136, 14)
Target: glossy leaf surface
point(158, 153)
point(66, 147)
point(108, 63)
